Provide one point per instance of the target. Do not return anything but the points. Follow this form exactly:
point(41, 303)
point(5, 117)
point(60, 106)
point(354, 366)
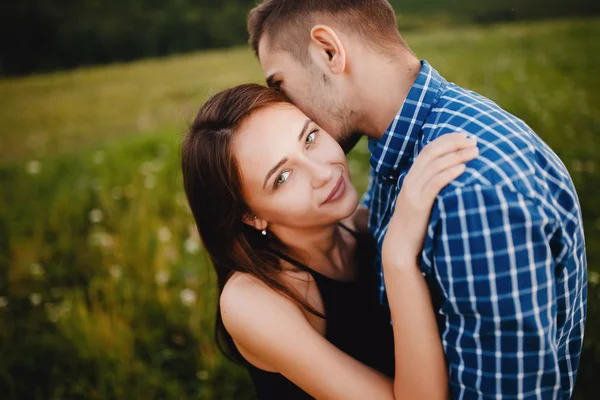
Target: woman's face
point(293, 173)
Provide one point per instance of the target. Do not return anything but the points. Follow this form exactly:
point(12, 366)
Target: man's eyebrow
point(284, 160)
point(272, 171)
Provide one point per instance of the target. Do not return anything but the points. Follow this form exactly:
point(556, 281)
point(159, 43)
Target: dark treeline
point(40, 35)
point(45, 35)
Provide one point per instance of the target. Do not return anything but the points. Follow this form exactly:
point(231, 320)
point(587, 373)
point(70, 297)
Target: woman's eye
point(310, 139)
point(281, 179)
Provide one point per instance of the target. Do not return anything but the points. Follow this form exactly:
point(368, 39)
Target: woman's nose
point(321, 173)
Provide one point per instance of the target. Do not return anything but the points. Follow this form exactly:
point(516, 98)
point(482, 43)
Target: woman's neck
point(320, 248)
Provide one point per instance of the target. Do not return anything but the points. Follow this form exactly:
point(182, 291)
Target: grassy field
point(105, 292)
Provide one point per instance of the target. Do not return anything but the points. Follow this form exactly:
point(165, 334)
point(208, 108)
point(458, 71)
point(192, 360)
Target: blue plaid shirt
point(504, 254)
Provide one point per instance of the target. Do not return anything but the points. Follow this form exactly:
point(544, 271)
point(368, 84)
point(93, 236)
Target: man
point(504, 254)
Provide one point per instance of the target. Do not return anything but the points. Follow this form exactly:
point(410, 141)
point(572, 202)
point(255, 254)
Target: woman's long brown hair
point(213, 186)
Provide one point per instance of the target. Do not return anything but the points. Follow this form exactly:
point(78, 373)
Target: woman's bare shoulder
point(241, 285)
point(252, 313)
point(241, 288)
point(246, 299)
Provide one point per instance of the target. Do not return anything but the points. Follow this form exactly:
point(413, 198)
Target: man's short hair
point(288, 23)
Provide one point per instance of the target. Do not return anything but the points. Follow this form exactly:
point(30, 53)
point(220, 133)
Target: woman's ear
point(326, 45)
point(254, 221)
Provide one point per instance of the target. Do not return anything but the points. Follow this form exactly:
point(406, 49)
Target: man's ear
point(254, 222)
point(327, 45)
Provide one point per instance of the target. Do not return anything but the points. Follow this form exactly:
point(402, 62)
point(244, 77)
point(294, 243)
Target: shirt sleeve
point(488, 252)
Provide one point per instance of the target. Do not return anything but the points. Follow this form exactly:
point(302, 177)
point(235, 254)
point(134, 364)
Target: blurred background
point(105, 291)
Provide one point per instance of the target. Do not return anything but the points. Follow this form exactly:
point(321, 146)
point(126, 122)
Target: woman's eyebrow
point(303, 131)
point(284, 160)
point(273, 170)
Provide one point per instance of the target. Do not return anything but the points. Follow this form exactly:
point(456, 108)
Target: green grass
point(104, 289)
point(63, 112)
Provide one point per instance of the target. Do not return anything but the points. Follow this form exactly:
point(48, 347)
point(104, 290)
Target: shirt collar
point(393, 151)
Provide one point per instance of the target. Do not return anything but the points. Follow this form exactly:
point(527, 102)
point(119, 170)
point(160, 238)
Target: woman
point(273, 201)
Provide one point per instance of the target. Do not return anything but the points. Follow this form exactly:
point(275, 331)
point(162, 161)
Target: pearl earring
point(264, 232)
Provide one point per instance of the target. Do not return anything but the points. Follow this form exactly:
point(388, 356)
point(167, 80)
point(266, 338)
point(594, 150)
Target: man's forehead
point(263, 45)
point(265, 57)
point(272, 60)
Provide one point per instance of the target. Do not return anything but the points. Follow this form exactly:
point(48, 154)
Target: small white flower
point(115, 272)
point(36, 270)
point(34, 167)
point(98, 157)
point(35, 298)
point(57, 311)
point(164, 234)
point(188, 297)
point(3, 302)
point(101, 239)
point(146, 168)
point(150, 182)
point(96, 216)
point(162, 277)
point(191, 245)
point(106, 241)
point(594, 277)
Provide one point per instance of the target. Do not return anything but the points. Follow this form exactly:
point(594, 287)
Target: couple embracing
point(461, 273)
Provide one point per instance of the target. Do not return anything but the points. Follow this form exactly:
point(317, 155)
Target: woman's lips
point(337, 191)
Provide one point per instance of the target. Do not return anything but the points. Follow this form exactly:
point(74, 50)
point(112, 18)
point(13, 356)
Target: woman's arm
point(273, 330)
point(420, 364)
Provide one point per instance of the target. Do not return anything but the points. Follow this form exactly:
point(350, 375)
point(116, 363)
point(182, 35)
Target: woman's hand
point(440, 162)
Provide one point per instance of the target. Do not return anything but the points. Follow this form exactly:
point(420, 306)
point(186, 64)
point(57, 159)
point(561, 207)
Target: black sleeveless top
point(355, 323)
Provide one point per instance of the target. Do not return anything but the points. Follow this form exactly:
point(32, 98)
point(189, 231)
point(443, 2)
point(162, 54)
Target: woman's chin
point(347, 206)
